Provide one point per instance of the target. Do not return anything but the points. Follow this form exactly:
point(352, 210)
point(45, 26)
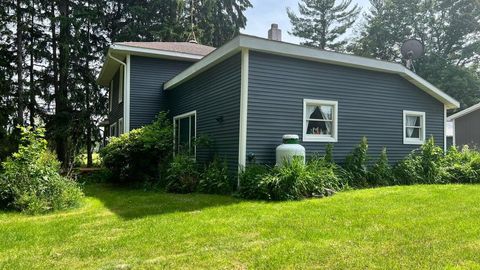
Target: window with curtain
point(185, 131)
point(413, 127)
point(320, 120)
point(120, 84)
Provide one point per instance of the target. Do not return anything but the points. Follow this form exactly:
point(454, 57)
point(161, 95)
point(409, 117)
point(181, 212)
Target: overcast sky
point(266, 12)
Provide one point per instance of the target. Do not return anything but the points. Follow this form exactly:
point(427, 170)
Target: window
point(185, 130)
point(320, 120)
point(413, 127)
point(120, 85)
point(113, 130)
point(110, 96)
point(120, 126)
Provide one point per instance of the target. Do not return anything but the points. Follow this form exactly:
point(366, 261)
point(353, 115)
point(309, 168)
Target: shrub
point(356, 164)
point(140, 154)
point(329, 153)
point(461, 166)
point(292, 181)
point(101, 176)
point(81, 160)
point(250, 182)
point(381, 173)
point(423, 166)
point(214, 179)
point(31, 181)
point(182, 175)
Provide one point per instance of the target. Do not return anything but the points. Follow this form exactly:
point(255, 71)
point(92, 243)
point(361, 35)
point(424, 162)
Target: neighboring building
point(466, 127)
point(248, 93)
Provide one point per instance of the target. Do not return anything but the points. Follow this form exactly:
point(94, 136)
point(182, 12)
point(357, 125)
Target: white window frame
point(320, 138)
point(110, 96)
point(120, 126)
point(113, 130)
point(179, 117)
point(423, 127)
point(120, 84)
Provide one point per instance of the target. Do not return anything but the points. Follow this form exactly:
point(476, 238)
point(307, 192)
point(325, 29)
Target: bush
point(356, 164)
point(141, 154)
point(250, 182)
point(31, 182)
point(182, 175)
point(381, 173)
point(292, 181)
point(423, 166)
point(214, 179)
point(81, 160)
point(461, 166)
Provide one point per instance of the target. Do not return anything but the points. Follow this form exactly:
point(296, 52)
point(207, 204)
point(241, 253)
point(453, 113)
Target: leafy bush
point(356, 164)
point(214, 179)
point(423, 166)
point(292, 181)
point(251, 182)
point(381, 173)
point(182, 175)
point(31, 182)
point(140, 154)
point(461, 166)
point(101, 176)
point(329, 153)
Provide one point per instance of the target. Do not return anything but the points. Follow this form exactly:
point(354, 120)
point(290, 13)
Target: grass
point(434, 227)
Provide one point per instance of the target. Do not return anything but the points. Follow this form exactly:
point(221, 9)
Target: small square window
point(320, 120)
point(413, 127)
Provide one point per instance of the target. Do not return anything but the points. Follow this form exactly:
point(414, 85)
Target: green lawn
point(397, 227)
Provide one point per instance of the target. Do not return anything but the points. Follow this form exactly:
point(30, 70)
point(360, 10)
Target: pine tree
point(322, 23)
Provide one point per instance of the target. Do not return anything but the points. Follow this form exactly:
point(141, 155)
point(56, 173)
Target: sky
point(266, 12)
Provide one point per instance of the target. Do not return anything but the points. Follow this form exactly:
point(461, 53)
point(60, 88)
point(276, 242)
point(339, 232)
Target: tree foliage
point(322, 23)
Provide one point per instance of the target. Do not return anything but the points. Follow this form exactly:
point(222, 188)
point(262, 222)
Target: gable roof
point(464, 112)
point(311, 54)
point(184, 51)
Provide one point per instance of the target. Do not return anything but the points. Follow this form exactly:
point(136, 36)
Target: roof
point(464, 112)
point(184, 51)
point(181, 47)
point(297, 51)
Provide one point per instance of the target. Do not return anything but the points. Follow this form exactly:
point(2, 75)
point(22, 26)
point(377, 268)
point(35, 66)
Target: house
point(248, 93)
point(466, 126)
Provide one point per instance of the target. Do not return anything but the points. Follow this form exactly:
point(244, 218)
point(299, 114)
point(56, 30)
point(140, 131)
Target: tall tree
point(450, 31)
point(322, 23)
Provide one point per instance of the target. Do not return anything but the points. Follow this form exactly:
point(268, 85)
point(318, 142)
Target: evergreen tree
point(322, 23)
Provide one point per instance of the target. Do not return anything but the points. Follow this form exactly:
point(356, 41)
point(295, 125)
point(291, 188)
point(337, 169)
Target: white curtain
point(411, 121)
point(327, 115)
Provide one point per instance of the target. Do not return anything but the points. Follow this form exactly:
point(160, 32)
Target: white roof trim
point(122, 48)
point(312, 54)
point(464, 112)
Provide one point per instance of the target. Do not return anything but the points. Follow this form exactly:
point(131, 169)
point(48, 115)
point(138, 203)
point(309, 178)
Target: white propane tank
point(288, 149)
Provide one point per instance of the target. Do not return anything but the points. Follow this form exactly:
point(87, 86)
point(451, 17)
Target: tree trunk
point(19, 45)
point(32, 102)
point(87, 99)
point(61, 102)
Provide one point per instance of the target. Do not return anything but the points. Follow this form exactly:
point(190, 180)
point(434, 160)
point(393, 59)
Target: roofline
point(312, 54)
point(464, 112)
point(154, 52)
point(134, 50)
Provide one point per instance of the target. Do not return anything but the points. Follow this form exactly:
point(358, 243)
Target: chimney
point(274, 33)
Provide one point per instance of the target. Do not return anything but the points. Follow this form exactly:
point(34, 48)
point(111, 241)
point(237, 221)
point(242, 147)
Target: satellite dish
point(412, 49)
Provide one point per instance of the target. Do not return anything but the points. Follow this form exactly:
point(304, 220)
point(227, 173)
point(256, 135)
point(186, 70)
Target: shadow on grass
point(131, 203)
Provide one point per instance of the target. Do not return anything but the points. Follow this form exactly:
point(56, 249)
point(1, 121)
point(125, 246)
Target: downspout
point(126, 94)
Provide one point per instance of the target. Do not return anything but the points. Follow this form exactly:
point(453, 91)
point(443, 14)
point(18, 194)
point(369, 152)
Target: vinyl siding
point(117, 108)
point(214, 93)
point(147, 76)
point(467, 130)
point(370, 104)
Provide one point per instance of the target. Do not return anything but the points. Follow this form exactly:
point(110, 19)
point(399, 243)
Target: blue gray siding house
point(246, 94)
